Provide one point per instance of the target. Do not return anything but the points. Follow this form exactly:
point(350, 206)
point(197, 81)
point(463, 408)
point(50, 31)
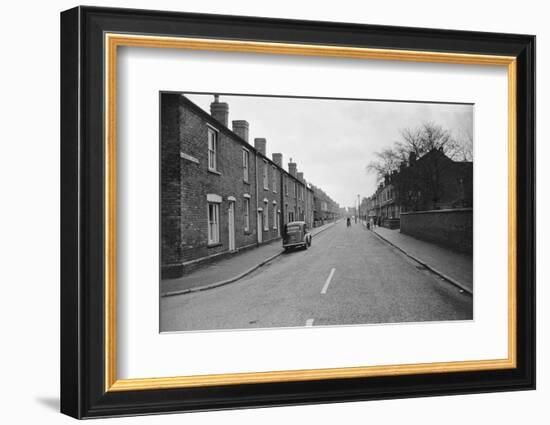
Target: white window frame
point(246, 165)
point(285, 213)
point(266, 215)
point(213, 223)
point(275, 225)
point(246, 213)
point(266, 176)
point(212, 149)
point(274, 179)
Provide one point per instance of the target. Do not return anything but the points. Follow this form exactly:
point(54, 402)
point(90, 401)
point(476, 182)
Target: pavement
point(227, 270)
point(348, 276)
point(455, 267)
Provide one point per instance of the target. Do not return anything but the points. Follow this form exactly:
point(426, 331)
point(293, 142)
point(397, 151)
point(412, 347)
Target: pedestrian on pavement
point(348, 222)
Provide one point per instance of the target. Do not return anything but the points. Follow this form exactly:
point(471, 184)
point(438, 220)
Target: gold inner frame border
point(111, 43)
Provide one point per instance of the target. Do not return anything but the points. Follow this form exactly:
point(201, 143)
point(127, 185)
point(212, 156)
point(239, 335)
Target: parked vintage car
point(296, 234)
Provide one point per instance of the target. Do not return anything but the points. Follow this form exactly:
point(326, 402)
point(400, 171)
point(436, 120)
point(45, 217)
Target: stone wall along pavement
point(452, 228)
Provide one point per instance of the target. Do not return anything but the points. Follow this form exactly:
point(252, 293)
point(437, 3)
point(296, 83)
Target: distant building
point(431, 182)
point(325, 209)
point(434, 182)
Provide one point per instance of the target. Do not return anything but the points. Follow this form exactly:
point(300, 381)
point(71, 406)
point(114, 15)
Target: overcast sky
point(332, 141)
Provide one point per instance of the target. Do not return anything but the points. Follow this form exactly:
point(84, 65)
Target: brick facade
point(431, 182)
point(204, 189)
point(324, 208)
point(449, 228)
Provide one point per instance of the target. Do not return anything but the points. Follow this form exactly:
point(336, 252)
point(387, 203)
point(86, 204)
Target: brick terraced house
point(219, 193)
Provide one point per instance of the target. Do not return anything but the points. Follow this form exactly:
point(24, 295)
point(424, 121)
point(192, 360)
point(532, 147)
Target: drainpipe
point(256, 211)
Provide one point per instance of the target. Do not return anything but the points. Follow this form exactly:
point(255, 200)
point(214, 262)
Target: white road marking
point(327, 283)
point(309, 322)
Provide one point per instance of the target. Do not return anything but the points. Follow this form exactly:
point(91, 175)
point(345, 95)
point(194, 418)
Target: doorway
point(259, 229)
point(231, 225)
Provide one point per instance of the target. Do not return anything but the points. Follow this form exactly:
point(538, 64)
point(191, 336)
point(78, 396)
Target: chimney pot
point(240, 128)
point(292, 168)
point(260, 145)
point(278, 159)
point(219, 110)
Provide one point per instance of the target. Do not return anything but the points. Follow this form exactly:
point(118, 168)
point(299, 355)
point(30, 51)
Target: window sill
point(214, 172)
point(214, 245)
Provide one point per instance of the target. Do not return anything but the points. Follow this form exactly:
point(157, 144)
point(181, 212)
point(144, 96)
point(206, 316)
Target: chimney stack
point(240, 128)
point(259, 144)
point(412, 158)
point(300, 176)
point(278, 159)
point(292, 168)
point(219, 110)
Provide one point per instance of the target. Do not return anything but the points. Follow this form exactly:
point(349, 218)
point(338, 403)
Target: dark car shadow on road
point(49, 402)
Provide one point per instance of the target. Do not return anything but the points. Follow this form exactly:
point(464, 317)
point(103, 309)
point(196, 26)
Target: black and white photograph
point(280, 212)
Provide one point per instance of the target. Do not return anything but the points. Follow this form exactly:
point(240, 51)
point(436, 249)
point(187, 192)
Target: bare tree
point(429, 136)
point(420, 184)
point(387, 160)
point(465, 144)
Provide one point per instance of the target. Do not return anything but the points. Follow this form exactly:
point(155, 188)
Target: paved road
point(348, 276)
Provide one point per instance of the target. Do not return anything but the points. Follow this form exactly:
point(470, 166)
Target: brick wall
point(170, 181)
point(450, 228)
point(293, 202)
point(267, 198)
point(186, 181)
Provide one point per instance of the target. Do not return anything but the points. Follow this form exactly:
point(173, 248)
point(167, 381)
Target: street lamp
point(358, 209)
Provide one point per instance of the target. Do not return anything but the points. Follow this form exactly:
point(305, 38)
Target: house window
point(212, 149)
point(213, 223)
point(295, 190)
point(266, 216)
point(245, 165)
point(286, 186)
point(274, 182)
point(246, 214)
point(266, 178)
point(275, 219)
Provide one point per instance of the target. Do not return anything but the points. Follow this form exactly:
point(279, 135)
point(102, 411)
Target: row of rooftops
point(219, 112)
point(389, 177)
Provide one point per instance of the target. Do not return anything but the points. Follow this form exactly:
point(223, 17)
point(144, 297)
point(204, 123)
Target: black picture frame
point(83, 392)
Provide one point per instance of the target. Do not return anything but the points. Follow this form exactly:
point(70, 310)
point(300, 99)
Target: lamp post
point(358, 209)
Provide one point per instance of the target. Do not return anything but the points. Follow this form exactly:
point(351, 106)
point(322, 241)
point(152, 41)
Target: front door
point(231, 225)
point(260, 227)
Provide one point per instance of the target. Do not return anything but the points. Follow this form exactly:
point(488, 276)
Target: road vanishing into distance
point(348, 276)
